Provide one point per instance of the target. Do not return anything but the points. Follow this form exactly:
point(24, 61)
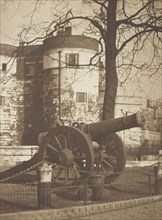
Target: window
point(72, 59)
point(30, 68)
point(2, 100)
point(33, 67)
point(4, 66)
point(39, 67)
point(81, 97)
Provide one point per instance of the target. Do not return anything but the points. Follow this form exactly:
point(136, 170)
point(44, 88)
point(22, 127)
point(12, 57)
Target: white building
point(46, 82)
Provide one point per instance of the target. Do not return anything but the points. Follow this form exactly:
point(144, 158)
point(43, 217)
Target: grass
point(21, 194)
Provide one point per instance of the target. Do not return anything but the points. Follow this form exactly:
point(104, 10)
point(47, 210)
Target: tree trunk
point(110, 90)
point(110, 61)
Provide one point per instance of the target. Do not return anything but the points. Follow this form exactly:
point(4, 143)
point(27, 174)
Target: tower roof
point(71, 41)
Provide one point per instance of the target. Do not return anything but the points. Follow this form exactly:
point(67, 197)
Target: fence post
point(158, 178)
point(44, 173)
point(31, 152)
point(149, 181)
point(85, 192)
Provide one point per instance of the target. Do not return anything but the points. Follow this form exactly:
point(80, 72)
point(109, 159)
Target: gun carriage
point(76, 151)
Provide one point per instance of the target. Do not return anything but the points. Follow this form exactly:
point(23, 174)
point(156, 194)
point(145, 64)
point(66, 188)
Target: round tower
point(70, 82)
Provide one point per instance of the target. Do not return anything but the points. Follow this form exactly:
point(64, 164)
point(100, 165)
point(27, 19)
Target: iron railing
point(22, 193)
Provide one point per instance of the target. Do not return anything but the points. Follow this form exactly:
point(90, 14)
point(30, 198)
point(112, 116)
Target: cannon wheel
point(112, 158)
point(71, 153)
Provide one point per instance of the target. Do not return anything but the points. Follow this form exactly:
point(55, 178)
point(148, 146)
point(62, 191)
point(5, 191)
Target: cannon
point(76, 151)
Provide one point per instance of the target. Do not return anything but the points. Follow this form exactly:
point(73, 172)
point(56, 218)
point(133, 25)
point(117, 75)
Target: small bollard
point(44, 173)
point(158, 178)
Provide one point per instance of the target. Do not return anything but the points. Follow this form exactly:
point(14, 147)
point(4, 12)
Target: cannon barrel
point(98, 129)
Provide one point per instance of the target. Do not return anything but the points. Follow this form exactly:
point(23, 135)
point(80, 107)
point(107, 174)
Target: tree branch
point(60, 24)
point(135, 14)
point(133, 37)
point(146, 24)
point(97, 54)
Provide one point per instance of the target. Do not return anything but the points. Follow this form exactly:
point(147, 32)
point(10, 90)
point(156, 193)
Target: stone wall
point(50, 97)
point(12, 155)
point(8, 103)
point(29, 93)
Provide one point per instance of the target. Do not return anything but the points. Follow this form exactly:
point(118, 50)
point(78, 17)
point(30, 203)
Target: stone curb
point(141, 163)
point(77, 211)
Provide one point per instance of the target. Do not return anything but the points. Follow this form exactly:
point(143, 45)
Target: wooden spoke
point(73, 173)
point(59, 172)
point(108, 164)
point(52, 147)
point(111, 157)
point(76, 165)
point(58, 142)
point(103, 169)
point(66, 175)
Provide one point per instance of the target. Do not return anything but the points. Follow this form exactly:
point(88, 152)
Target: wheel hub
point(99, 155)
point(65, 157)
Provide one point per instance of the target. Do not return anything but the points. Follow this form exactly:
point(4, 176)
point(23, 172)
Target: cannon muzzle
point(98, 129)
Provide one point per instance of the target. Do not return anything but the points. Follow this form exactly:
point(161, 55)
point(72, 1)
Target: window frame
point(82, 99)
point(4, 66)
point(2, 100)
point(74, 59)
point(36, 65)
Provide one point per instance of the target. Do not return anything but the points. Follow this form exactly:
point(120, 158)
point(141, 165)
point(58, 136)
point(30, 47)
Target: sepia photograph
point(80, 109)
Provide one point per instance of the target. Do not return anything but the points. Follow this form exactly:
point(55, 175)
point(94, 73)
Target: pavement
point(148, 208)
point(150, 211)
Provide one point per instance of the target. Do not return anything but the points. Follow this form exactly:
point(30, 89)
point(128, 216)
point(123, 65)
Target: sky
point(17, 13)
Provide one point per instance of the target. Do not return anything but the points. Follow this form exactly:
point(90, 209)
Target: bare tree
point(124, 28)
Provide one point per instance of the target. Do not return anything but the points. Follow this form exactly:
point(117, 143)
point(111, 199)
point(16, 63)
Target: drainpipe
point(59, 83)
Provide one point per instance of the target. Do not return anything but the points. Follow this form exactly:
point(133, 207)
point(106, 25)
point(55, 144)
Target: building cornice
point(71, 41)
point(8, 50)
